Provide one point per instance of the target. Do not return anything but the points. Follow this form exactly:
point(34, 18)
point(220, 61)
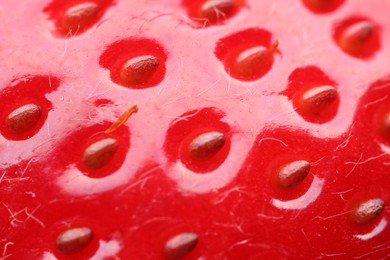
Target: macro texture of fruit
point(195, 129)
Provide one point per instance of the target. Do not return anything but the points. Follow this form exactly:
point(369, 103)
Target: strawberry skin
point(204, 129)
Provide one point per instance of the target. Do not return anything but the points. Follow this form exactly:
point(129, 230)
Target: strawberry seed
point(74, 240)
point(206, 145)
point(100, 153)
point(79, 18)
point(367, 211)
point(23, 118)
point(291, 174)
point(180, 245)
point(138, 70)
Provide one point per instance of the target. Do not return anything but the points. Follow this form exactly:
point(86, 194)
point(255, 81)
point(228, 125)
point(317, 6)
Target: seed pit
point(313, 94)
point(135, 63)
point(180, 245)
point(201, 143)
point(74, 17)
point(25, 107)
point(247, 55)
point(291, 174)
point(74, 240)
point(367, 211)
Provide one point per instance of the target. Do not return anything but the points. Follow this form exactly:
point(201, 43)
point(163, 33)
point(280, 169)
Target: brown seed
point(367, 211)
point(79, 18)
point(139, 70)
point(292, 174)
point(216, 10)
point(23, 118)
point(323, 6)
point(354, 39)
point(250, 63)
point(206, 145)
point(385, 125)
point(317, 99)
point(100, 153)
point(180, 245)
point(74, 240)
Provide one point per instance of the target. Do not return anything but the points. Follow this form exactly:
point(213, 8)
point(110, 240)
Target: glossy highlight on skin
point(152, 190)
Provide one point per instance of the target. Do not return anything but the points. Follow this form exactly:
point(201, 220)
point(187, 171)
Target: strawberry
point(203, 129)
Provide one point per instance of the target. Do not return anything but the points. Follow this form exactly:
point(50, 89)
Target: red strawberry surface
point(196, 129)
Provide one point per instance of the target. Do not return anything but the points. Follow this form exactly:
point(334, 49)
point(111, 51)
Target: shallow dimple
point(323, 6)
point(180, 245)
point(74, 17)
point(313, 94)
point(24, 106)
point(138, 70)
point(357, 37)
point(247, 55)
point(206, 145)
point(100, 153)
point(367, 211)
point(291, 174)
point(74, 240)
point(135, 63)
point(23, 118)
